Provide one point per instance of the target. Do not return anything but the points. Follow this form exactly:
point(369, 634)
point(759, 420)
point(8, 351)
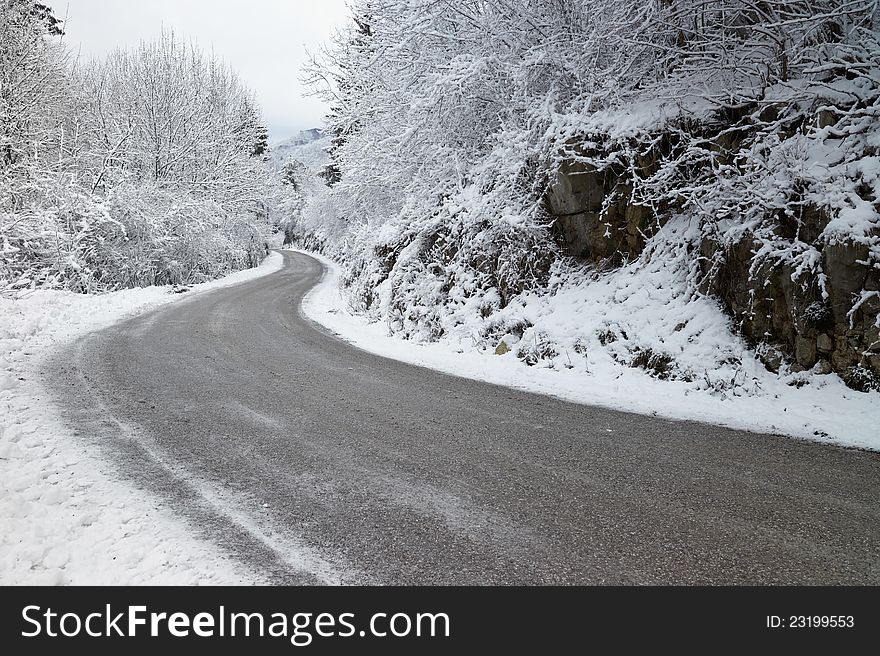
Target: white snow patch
point(65, 517)
point(823, 409)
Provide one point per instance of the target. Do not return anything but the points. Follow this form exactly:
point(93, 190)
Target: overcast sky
point(264, 40)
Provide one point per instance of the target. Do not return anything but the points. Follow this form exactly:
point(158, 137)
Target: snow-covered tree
point(146, 167)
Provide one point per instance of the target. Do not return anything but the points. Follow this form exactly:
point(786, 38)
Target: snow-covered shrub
point(154, 237)
point(135, 236)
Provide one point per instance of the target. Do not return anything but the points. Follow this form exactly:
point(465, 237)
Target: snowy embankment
point(801, 405)
point(65, 517)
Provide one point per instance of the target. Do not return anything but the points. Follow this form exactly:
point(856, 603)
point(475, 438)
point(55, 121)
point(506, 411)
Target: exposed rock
point(805, 351)
point(871, 303)
point(843, 265)
point(595, 218)
point(770, 356)
point(791, 313)
point(842, 358)
point(806, 226)
point(823, 367)
point(502, 348)
point(872, 338)
point(764, 298)
point(772, 303)
point(826, 117)
point(577, 189)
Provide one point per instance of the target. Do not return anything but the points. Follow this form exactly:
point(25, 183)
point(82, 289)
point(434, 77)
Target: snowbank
point(65, 518)
point(802, 405)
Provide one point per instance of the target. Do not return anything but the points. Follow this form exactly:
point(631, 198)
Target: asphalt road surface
point(312, 461)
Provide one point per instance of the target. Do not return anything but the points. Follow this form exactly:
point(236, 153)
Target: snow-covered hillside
point(309, 147)
point(688, 191)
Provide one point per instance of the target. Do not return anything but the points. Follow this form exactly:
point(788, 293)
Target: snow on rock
point(635, 316)
point(65, 518)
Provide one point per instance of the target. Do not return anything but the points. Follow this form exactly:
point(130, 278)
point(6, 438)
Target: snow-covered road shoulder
point(826, 412)
point(65, 517)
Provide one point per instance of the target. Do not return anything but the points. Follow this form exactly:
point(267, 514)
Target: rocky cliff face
point(823, 319)
point(594, 216)
point(828, 324)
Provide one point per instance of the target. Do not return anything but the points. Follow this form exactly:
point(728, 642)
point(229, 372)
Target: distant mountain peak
point(307, 146)
point(301, 138)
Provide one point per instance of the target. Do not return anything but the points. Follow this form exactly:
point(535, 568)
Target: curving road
point(314, 462)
